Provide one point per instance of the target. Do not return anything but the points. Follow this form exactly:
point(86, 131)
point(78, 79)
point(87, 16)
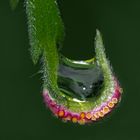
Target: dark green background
point(23, 115)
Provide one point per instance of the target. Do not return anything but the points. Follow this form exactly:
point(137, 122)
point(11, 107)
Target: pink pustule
point(83, 117)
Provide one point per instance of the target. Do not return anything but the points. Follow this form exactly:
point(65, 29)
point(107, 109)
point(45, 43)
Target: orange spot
point(101, 114)
point(93, 118)
point(82, 115)
point(111, 104)
point(88, 115)
point(96, 115)
point(114, 100)
point(74, 120)
point(61, 113)
point(105, 110)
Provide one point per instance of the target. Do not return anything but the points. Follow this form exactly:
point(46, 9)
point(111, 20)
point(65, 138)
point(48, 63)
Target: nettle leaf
point(78, 91)
point(46, 31)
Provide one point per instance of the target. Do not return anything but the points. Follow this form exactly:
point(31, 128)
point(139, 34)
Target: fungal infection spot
point(111, 104)
point(74, 120)
point(105, 109)
point(82, 115)
point(101, 114)
point(88, 115)
point(96, 115)
point(93, 118)
point(61, 113)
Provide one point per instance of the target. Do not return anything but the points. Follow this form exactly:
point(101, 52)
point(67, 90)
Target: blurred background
point(23, 115)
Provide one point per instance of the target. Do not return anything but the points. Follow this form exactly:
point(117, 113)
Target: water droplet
point(80, 82)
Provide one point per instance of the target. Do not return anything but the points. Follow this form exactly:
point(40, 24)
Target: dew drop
point(80, 82)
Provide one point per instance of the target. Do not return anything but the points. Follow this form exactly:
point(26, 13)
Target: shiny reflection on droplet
point(84, 88)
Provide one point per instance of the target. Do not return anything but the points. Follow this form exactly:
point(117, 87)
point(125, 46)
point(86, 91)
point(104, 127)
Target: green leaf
point(46, 32)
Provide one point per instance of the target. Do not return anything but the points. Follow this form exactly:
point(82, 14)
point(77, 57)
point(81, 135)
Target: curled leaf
point(77, 91)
